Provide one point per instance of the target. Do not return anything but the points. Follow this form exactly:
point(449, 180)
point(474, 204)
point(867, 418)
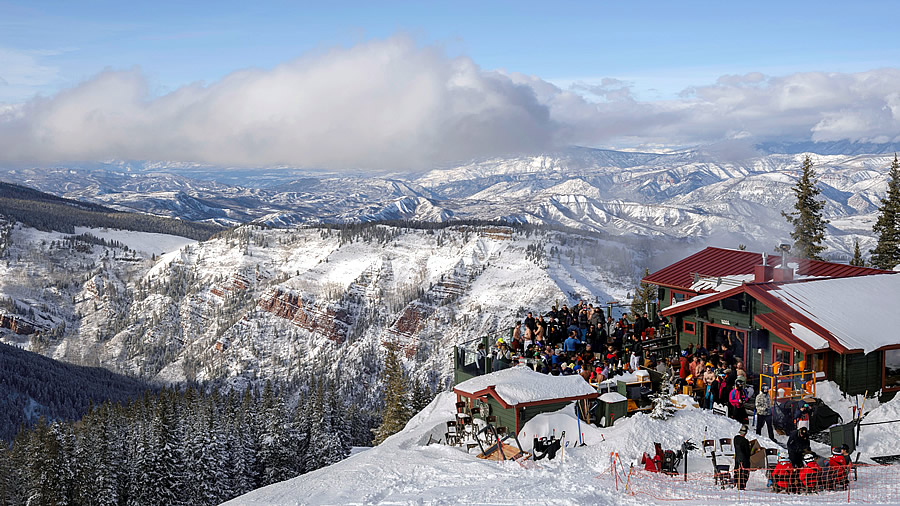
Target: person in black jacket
point(741, 458)
point(798, 444)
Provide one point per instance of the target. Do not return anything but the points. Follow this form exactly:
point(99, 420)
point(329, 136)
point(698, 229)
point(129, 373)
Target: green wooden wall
point(857, 373)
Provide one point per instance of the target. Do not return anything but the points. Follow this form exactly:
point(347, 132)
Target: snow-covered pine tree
point(807, 220)
point(340, 427)
point(249, 435)
point(886, 254)
point(301, 432)
point(164, 474)
point(663, 408)
point(274, 450)
point(201, 460)
point(421, 396)
point(395, 413)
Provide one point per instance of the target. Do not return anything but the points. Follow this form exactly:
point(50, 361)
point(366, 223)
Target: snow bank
point(402, 470)
point(830, 393)
point(521, 384)
point(880, 440)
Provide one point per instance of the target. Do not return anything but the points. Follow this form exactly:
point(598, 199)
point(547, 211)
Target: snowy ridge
point(256, 304)
point(692, 193)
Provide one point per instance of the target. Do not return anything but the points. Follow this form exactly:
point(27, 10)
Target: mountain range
point(697, 194)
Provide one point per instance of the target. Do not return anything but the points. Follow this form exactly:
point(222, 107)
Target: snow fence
point(867, 484)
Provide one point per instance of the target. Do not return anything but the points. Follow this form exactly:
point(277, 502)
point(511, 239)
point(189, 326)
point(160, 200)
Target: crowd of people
point(584, 340)
point(579, 340)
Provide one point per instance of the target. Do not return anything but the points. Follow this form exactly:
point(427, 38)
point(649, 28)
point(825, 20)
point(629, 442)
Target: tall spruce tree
point(886, 254)
point(807, 220)
point(396, 408)
point(857, 259)
point(645, 294)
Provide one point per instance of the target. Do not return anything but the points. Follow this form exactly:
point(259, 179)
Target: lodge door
point(734, 339)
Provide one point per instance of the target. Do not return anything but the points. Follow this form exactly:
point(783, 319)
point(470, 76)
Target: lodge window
point(892, 369)
point(783, 354)
point(816, 362)
point(679, 297)
point(690, 327)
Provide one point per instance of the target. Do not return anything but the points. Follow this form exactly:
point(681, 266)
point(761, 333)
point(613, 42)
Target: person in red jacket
point(810, 475)
point(684, 369)
point(838, 467)
point(783, 475)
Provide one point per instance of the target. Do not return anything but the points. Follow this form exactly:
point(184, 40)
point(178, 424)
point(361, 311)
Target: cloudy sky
point(406, 85)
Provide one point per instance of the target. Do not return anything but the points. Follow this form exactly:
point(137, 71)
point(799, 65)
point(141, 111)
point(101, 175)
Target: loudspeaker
point(759, 339)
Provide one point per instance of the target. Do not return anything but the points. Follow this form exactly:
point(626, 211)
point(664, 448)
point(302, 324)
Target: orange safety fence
point(864, 484)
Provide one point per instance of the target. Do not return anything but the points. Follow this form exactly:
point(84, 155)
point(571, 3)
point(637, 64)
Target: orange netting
point(864, 484)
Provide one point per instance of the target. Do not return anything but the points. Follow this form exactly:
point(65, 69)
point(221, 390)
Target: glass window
point(689, 327)
point(892, 369)
point(784, 356)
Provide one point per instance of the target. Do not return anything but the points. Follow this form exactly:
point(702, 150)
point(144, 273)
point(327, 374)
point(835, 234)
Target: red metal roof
point(778, 322)
point(715, 262)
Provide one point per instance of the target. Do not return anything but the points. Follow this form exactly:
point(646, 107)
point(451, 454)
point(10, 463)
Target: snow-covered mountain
point(689, 194)
point(287, 304)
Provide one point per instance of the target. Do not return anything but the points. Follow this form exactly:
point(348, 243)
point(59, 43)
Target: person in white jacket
point(764, 411)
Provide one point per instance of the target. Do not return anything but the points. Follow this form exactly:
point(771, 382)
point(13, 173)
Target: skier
point(764, 412)
point(783, 475)
point(741, 458)
point(798, 444)
point(809, 475)
point(838, 467)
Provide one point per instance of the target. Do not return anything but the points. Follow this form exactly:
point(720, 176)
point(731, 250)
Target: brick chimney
point(762, 273)
point(783, 274)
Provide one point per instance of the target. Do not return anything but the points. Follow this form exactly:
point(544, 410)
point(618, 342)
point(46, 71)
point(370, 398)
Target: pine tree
point(275, 450)
point(165, 469)
point(340, 427)
point(396, 409)
point(663, 408)
point(886, 254)
point(857, 259)
point(807, 220)
point(644, 295)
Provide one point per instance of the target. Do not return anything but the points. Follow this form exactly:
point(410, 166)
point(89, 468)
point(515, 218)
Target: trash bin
point(613, 406)
point(843, 434)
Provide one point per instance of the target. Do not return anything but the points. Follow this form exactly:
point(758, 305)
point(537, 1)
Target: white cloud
point(386, 104)
point(392, 104)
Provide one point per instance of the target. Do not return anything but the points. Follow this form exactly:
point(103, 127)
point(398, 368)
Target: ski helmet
point(809, 457)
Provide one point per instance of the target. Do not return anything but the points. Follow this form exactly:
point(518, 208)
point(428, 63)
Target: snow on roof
point(693, 300)
point(720, 283)
point(521, 385)
point(803, 333)
point(860, 312)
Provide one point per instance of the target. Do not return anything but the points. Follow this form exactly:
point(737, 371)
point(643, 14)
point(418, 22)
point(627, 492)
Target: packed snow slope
point(404, 470)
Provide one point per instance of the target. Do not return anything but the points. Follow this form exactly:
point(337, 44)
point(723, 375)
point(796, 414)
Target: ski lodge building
point(842, 321)
point(518, 394)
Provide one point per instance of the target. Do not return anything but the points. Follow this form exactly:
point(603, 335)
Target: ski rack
point(489, 428)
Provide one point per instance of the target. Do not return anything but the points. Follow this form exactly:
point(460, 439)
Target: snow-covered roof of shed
point(521, 385)
point(860, 312)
